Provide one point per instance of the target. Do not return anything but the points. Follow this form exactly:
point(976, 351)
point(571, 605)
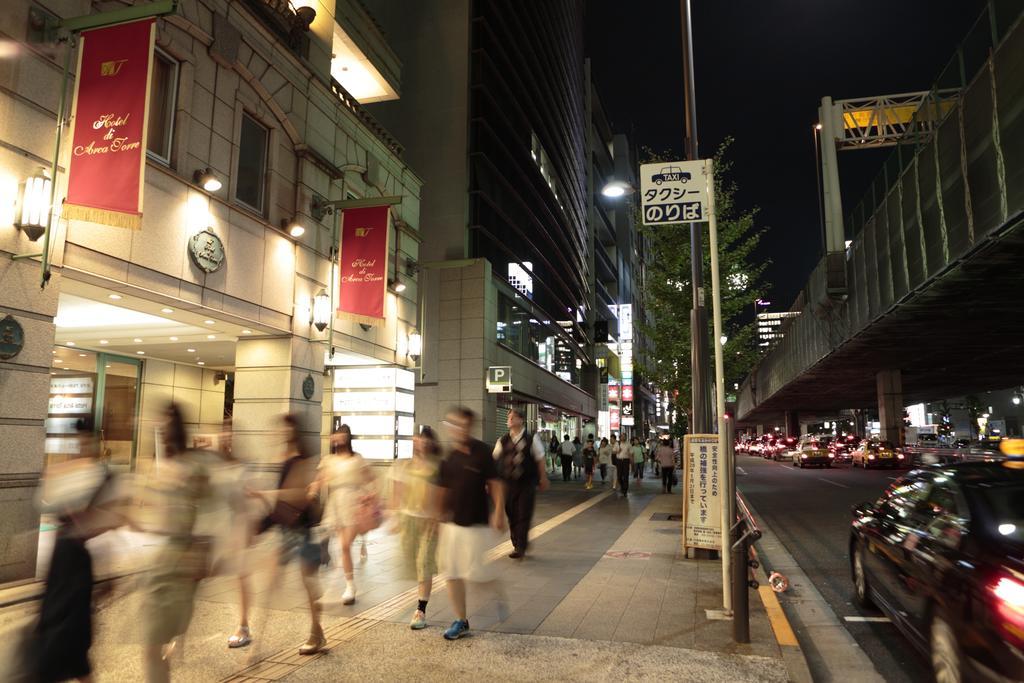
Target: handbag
point(369, 515)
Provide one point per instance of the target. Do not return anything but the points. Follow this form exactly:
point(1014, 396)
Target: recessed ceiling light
point(115, 297)
point(190, 350)
point(104, 342)
point(246, 331)
point(173, 338)
point(81, 355)
point(211, 336)
point(137, 340)
point(166, 310)
point(57, 360)
point(200, 363)
point(208, 322)
point(141, 353)
point(108, 366)
point(70, 343)
point(53, 352)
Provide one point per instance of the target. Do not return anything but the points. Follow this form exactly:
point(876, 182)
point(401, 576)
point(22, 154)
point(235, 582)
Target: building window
point(163, 94)
point(252, 163)
point(547, 170)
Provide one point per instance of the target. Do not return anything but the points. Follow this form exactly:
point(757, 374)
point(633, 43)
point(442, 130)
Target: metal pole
point(741, 608)
point(44, 273)
point(728, 492)
point(700, 389)
point(817, 177)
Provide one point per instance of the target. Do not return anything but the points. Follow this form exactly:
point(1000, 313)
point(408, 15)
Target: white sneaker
point(349, 596)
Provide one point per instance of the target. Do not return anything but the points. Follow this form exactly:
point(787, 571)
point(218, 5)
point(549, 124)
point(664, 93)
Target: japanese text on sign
point(702, 503)
point(674, 191)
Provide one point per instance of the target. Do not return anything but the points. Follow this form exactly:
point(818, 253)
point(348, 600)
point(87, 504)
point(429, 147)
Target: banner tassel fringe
point(116, 219)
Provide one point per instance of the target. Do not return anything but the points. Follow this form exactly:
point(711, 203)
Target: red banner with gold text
point(109, 123)
point(363, 264)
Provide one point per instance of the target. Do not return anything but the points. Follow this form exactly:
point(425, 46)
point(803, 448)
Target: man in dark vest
point(520, 460)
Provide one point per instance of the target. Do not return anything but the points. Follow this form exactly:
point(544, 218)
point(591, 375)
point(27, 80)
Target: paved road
point(809, 510)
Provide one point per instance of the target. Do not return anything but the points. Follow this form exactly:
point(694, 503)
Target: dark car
point(941, 553)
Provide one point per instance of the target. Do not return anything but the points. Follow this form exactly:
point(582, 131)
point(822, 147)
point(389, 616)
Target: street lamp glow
point(724, 339)
point(614, 189)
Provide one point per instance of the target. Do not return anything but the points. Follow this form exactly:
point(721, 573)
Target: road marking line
point(834, 483)
point(777, 618)
point(893, 478)
point(741, 471)
point(285, 663)
point(870, 620)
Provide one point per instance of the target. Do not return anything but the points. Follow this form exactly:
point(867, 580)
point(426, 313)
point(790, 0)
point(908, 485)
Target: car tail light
point(899, 455)
point(803, 455)
point(831, 455)
point(1009, 604)
point(871, 457)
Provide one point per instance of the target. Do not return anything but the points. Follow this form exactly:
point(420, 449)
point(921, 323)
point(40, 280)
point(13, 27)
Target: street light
point(615, 189)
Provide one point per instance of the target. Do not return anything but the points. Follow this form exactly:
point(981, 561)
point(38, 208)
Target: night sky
point(762, 67)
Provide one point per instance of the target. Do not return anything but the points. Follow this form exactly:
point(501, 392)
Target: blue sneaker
point(459, 628)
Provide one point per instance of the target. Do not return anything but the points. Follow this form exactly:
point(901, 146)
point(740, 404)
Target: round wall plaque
point(12, 338)
point(206, 250)
point(308, 387)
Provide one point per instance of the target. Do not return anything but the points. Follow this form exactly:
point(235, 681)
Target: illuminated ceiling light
point(70, 343)
point(57, 360)
point(104, 342)
point(141, 353)
point(246, 331)
point(173, 338)
point(166, 310)
point(115, 297)
point(190, 350)
point(211, 336)
point(200, 362)
point(82, 355)
point(321, 312)
point(35, 205)
point(207, 322)
point(614, 189)
point(137, 340)
point(207, 180)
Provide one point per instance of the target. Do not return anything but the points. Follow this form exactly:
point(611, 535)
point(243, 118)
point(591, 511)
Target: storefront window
point(96, 390)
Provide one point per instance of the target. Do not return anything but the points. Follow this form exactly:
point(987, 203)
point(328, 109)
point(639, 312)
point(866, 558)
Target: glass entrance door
point(117, 409)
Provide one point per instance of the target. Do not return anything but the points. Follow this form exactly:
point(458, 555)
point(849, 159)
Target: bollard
point(740, 606)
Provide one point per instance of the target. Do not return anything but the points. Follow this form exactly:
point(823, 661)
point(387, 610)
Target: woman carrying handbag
point(352, 507)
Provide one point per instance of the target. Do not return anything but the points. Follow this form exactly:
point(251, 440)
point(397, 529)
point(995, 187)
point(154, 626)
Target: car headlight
point(803, 455)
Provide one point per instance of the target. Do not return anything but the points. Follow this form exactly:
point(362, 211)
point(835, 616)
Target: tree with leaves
point(669, 299)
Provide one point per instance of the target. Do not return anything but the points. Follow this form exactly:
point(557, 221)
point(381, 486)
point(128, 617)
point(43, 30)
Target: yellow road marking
point(780, 624)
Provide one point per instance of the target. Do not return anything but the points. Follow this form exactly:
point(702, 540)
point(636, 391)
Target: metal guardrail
point(923, 455)
point(744, 533)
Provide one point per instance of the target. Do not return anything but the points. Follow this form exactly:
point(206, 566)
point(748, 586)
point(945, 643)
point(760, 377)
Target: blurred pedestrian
point(589, 459)
point(577, 457)
point(468, 475)
point(348, 481)
point(604, 458)
point(196, 513)
point(296, 510)
point(84, 496)
point(565, 452)
point(553, 454)
point(414, 498)
point(638, 459)
point(667, 461)
point(623, 466)
point(613, 454)
point(520, 459)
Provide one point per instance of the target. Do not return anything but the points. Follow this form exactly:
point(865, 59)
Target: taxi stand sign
point(499, 379)
point(675, 191)
point(702, 492)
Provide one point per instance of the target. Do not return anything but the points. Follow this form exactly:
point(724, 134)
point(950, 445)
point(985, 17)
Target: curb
point(810, 605)
point(792, 654)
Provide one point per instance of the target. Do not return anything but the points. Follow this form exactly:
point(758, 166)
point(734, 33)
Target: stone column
point(889, 384)
point(269, 377)
point(24, 397)
point(792, 423)
point(760, 430)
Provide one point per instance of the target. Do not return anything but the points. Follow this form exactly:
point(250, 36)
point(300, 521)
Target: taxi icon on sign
point(670, 174)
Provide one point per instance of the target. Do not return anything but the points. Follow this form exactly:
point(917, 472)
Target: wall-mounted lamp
point(293, 227)
point(321, 313)
point(35, 205)
point(205, 178)
point(396, 285)
point(415, 345)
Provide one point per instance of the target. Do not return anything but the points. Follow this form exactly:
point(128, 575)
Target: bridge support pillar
point(889, 384)
point(760, 430)
point(792, 423)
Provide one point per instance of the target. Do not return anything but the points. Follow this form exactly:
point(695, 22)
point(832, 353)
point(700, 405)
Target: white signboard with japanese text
point(674, 191)
point(702, 492)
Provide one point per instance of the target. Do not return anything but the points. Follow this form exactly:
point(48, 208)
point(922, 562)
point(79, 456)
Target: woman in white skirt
point(346, 475)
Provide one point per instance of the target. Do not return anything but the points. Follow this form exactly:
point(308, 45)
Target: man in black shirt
point(466, 476)
point(520, 459)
